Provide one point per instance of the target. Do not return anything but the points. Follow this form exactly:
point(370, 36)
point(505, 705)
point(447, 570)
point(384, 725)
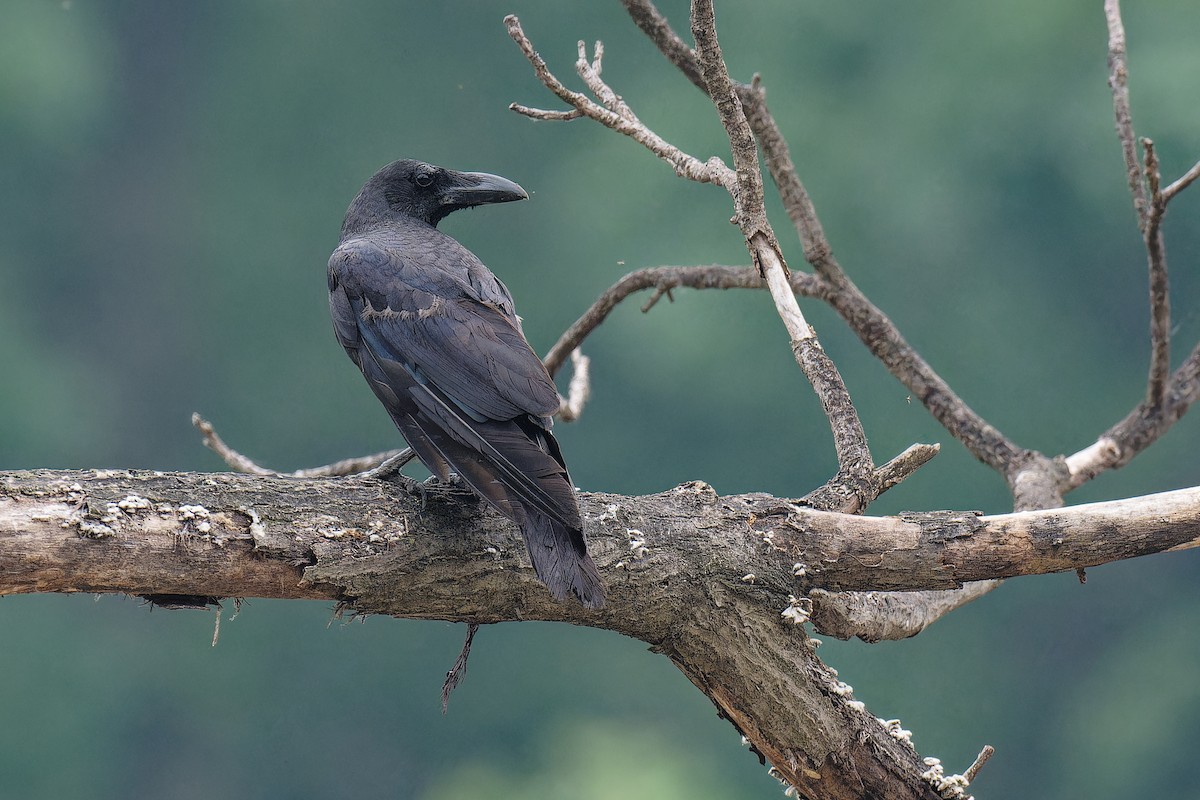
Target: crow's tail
point(563, 566)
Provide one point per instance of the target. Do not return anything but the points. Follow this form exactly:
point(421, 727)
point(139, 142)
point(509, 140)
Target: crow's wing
point(443, 323)
point(457, 376)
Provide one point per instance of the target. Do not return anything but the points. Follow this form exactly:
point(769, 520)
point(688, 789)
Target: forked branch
point(852, 488)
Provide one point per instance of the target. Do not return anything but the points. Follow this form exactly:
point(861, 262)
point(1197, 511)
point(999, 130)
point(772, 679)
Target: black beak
point(480, 188)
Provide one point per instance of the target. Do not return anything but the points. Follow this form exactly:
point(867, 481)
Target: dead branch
point(684, 588)
point(391, 459)
point(1160, 291)
point(579, 390)
point(1140, 428)
point(1118, 82)
point(1178, 186)
point(852, 486)
point(663, 279)
point(1169, 395)
point(832, 284)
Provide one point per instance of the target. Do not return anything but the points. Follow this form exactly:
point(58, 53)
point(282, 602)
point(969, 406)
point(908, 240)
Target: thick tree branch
point(702, 578)
point(880, 616)
point(787, 545)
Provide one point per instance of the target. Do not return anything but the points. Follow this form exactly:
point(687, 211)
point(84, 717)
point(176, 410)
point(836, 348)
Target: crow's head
point(425, 192)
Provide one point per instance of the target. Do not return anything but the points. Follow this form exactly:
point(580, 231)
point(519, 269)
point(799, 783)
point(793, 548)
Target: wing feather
point(473, 351)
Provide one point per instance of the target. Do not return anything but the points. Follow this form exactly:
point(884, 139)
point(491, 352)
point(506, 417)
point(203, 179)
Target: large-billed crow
point(435, 334)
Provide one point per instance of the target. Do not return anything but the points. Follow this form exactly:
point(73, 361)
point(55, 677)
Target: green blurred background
point(174, 179)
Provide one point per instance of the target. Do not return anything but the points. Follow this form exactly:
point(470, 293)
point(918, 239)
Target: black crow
point(435, 335)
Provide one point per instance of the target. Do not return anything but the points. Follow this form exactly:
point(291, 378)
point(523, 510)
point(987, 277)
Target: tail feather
point(559, 563)
point(557, 549)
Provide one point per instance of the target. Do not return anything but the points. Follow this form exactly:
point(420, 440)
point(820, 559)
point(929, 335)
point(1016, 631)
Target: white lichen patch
point(94, 530)
point(897, 731)
point(112, 513)
point(383, 532)
point(187, 512)
point(788, 789)
point(133, 502)
point(637, 543)
point(257, 530)
point(797, 611)
point(609, 514)
point(694, 487)
point(195, 517)
point(953, 787)
point(950, 787)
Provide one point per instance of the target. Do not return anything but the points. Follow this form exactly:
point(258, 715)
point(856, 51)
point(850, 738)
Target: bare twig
point(664, 278)
point(579, 390)
point(795, 197)
point(652, 23)
point(236, 461)
point(905, 464)
point(1185, 181)
point(1118, 81)
point(659, 293)
point(544, 114)
point(1140, 428)
point(748, 197)
point(348, 466)
point(984, 756)
point(686, 166)
point(1160, 292)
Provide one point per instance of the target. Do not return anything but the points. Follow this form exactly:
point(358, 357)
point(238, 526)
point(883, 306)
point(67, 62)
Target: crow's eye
point(423, 179)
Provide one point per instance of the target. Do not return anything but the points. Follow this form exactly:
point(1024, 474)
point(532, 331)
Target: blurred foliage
point(175, 177)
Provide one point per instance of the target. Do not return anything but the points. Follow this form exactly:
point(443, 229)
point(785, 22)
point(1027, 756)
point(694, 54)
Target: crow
point(435, 334)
